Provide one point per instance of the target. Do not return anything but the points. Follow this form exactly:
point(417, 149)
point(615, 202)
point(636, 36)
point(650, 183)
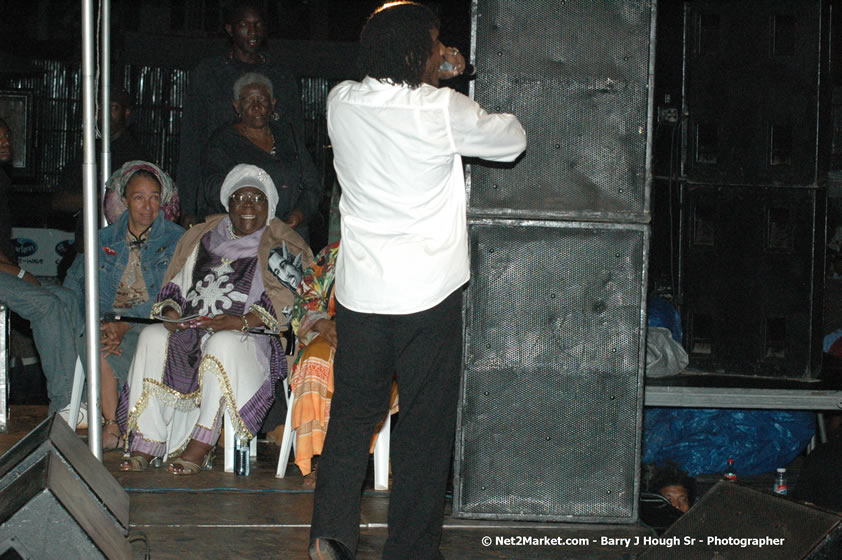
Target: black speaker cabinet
point(578, 75)
point(551, 394)
point(757, 92)
point(752, 269)
point(48, 513)
point(54, 435)
point(731, 521)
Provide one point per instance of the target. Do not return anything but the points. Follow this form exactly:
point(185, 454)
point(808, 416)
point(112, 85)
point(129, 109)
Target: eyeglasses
point(257, 199)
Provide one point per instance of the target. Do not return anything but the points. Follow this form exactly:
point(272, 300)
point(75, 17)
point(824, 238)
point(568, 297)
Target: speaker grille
point(577, 75)
point(551, 393)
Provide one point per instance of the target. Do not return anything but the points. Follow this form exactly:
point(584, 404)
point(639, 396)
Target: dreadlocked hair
point(396, 43)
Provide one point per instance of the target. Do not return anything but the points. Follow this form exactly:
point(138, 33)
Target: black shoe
point(328, 549)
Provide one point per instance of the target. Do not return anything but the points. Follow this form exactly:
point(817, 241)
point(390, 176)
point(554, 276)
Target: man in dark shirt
point(124, 147)
point(5, 186)
point(208, 102)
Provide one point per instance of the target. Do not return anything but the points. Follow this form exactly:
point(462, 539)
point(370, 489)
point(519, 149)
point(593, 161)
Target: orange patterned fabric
point(312, 385)
point(312, 375)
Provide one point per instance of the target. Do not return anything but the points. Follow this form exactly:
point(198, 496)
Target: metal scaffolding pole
point(89, 198)
point(105, 105)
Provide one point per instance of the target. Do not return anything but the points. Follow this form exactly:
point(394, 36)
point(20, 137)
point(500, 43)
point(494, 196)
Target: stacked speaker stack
point(755, 154)
point(551, 396)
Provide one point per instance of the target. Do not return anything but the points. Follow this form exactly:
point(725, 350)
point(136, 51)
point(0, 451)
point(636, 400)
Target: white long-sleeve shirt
point(397, 153)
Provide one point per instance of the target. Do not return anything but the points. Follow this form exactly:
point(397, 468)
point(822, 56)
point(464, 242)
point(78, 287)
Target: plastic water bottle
point(780, 482)
point(730, 475)
point(242, 455)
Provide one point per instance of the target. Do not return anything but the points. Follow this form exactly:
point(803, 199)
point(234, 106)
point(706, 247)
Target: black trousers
point(424, 351)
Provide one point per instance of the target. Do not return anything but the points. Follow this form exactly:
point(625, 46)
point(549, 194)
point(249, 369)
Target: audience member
point(208, 102)
point(124, 148)
point(51, 310)
point(219, 286)
point(669, 481)
point(56, 324)
point(5, 186)
point(114, 205)
point(257, 139)
point(311, 382)
point(133, 256)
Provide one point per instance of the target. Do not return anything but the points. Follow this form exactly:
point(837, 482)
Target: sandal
point(191, 468)
point(120, 441)
point(135, 463)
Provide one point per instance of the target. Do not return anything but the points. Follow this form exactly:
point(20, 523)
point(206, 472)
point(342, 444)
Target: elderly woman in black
point(261, 137)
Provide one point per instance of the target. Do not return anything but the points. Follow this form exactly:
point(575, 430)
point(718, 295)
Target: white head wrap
point(246, 175)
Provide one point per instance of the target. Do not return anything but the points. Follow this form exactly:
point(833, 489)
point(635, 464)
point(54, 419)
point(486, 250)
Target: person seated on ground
point(218, 287)
point(666, 494)
point(669, 481)
point(311, 381)
point(257, 139)
point(133, 256)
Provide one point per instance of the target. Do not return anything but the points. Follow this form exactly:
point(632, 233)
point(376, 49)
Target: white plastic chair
point(229, 436)
point(76, 394)
point(381, 448)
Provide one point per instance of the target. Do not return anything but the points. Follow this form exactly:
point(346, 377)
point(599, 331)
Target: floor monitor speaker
point(54, 435)
point(48, 513)
point(740, 523)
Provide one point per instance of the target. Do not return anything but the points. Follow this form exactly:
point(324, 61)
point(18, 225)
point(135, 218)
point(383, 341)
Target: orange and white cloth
point(312, 375)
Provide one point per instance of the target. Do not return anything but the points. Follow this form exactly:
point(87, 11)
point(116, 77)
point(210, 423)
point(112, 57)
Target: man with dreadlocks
point(403, 262)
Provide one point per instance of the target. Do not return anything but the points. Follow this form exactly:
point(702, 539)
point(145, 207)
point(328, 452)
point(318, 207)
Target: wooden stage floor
point(217, 515)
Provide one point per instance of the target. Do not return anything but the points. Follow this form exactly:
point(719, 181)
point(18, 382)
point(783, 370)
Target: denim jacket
point(113, 256)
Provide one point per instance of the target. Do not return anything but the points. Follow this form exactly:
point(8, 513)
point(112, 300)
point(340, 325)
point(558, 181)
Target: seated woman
point(312, 375)
point(263, 138)
point(113, 205)
point(202, 362)
point(134, 254)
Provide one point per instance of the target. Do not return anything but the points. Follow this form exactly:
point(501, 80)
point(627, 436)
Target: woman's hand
point(453, 56)
point(326, 328)
point(294, 218)
point(221, 322)
point(111, 335)
point(171, 326)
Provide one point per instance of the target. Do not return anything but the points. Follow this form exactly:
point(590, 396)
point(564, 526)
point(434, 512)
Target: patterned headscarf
point(121, 177)
point(116, 189)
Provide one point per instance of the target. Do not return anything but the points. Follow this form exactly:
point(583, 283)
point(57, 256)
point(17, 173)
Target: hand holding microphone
point(454, 65)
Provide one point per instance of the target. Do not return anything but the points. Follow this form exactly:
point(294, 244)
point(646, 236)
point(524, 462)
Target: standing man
point(5, 187)
point(402, 264)
point(124, 147)
point(208, 102)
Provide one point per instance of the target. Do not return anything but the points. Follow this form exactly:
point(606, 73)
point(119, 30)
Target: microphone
point(470, 72)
